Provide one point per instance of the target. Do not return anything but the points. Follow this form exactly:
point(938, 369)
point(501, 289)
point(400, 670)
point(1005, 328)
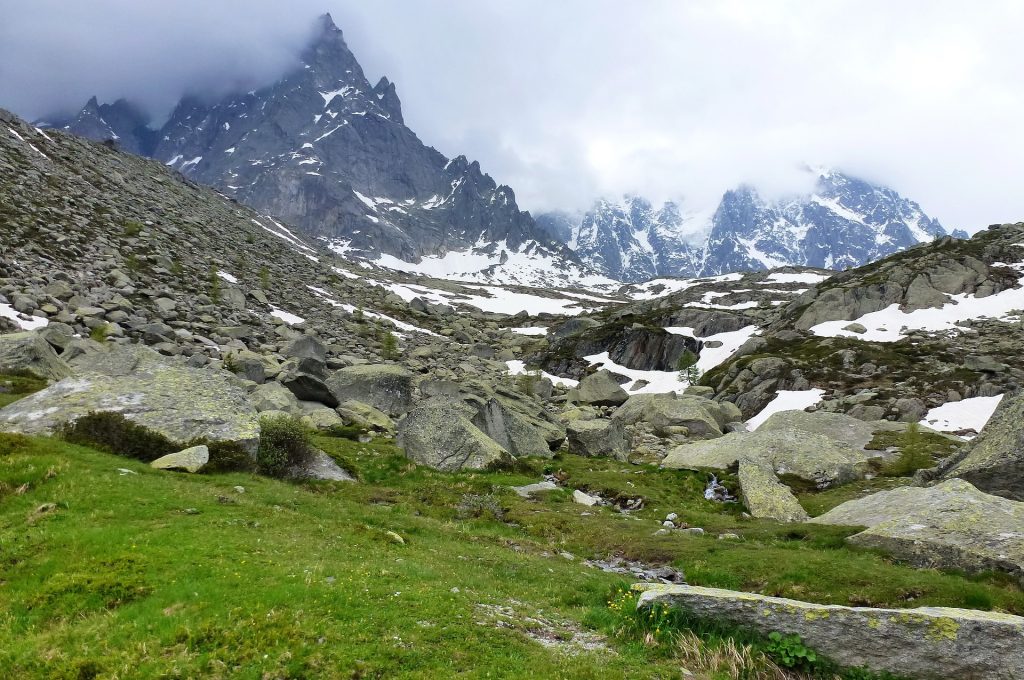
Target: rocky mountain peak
point(387, 96)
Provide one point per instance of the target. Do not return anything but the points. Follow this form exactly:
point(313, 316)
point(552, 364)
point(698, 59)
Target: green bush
point(12, 443)
point(112, 432)
point(790, 651)
point(99, 333)
point(388, 346)
point(284, 443)
point(915, 454)
point(352, 432)
point(227, 457)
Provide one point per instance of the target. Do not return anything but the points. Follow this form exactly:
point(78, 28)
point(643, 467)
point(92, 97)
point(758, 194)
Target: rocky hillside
point(844, 223)
point(326, 150)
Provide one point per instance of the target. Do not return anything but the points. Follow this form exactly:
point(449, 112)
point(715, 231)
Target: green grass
point(157, 574)
point(14, 386)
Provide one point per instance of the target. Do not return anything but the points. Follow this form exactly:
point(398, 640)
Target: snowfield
point(967, 414)
point(786, 400)
point(516, 367)
point(710, 357)
point(30, 323)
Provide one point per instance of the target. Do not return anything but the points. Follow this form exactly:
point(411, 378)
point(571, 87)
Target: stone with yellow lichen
point(930, 643)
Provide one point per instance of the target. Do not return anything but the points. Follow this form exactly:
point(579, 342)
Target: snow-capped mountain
point(325, 149)
point(844, 222)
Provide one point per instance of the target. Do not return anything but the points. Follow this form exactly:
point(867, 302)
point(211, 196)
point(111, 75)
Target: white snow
point(516, 367)
point(710, 357)
point(186, 164)
point(30, 323)
point(804, 277)
point(287, 317)
point(967, 414)
point(645, 291)
point(401, 325)
point(659, 382)
point(328, 96)
point(226, 276)
point(786, 400)
point(174, 160)
point(890, 324)
point(530, 330)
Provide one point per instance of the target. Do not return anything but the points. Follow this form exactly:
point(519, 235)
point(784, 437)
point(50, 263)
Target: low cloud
point(565, 101)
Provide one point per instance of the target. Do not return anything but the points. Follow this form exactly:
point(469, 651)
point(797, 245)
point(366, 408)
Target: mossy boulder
point(598, 438)
point(29, 353)
point(439, 433)
point(181, 403)
point(385, 387)
point(952, 525)
point(600, 389)
point(765, 496)
point(929, 643)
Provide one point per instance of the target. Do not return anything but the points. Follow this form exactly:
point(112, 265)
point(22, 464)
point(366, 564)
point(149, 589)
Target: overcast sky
point(566, 100)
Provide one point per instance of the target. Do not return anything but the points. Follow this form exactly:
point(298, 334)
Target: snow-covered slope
point(843, 223)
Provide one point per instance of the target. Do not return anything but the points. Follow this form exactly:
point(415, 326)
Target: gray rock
point(438, 433)
point(994, 461)
point(274, 397)
point(321, 418)
point(365, 416)
point(383, 386)
point(181, 403)
point(29, 352)
point(598, 438)
point(600, 389)
point(529, 490)
point(319, 466)
point(951, 525)
point(513, 431)
point(765, 496)
point(307, 380)
point(192, 459)
point(586, 499)
point(930, 643)
point(305, 347)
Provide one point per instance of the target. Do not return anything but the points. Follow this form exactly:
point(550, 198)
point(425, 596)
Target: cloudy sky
point(570, 99)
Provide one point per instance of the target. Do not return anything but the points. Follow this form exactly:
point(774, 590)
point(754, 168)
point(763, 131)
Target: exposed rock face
point(192, 459)
point(952, 526)
point(31, 353)
point(931, 643)
point(516, 432)
point(366, 416)
point(307, 380)
point(598, 438)
point(811, 457)
point(994, 462)
point(179, 402)
point(320, 466)
point(765, 496)
point(600, 389)
point(438, 433)
point(845, 222)
point(383, 386)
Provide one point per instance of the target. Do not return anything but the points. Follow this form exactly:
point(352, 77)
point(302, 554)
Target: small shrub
point(12, 443)
point(132, 228)
point(131, 262)
point(264, 278)
point(527, 382)
point(351, 432)
point(388, 346)
point(177, 268)
point(480, 506)
point(112, 432)
point(687, 367)
point(284, 442)
point(227, 457)
point(215, 285)
point(914, 454)
point(790, 651)
point(99, 333)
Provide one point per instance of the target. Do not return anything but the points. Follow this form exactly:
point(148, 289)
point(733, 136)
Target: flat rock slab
point(528, 490)
point(765, 496)
point(178, 402)
point(951, 525)
point(192, 459)
point(810, 456)
point(930, 643)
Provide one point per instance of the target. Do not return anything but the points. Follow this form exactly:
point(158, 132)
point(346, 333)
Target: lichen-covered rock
point(514, 431)
point(836, 426)
point(181, 403)
point(438, 433)
point(192, 459)
point(365, 416)
point(812, 457)
point(702, 417)
point(765, 496)
point(930, 643)
point(994, 462)
point(383, 386)
point(29, 352)
point(598, 438)
point(319, 466)
point(600, 389)
point(274, 396)
point(951, 525)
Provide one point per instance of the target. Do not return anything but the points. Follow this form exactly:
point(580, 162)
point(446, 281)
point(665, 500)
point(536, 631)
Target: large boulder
point(600, 389)
point(180, 403)
point(307, 380)
point(765, 496)
point(994, 462)
point(930, 643)
point(30, 353)
point(274, 396)
point(438, 433)
point(703, 418)
point(383, 386)
point(305, 347)
point(951, 525)
point(836, 426)
point(814, 458)
point(514, 431)
point(365, 416)
point(598, 438)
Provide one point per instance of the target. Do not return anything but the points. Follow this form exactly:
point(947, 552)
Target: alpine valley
point(286, 393)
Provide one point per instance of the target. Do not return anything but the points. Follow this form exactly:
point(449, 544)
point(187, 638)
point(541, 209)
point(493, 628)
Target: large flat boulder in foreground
point(951, 525)
point(180, 403)
point(930, 643)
